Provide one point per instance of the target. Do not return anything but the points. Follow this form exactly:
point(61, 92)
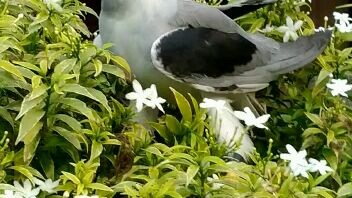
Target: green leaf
point(116, 71)
point(162, 130)
point(65, 66)
point(24, 171)
point(97, 149)
point(70, 121)
point(213, 159)
point(28, 122)
point(311, 131)
point(315, 119)
point(173, 124)
point(79, 106)
point(191, 173)
point(98, 67)
point(320, 179)
point(345, 190)
point(112, 142)
point(99, 186)
point(71, 177)
point(88, 92)
point(28, 66)
point(69, 136)
point(183, 105)
point(9, 67)
point(28, 105)
point(30, 148)
point(153, 173)
point(6, 116)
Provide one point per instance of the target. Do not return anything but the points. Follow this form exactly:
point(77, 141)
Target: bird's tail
point(293, 55)
point(229, 131)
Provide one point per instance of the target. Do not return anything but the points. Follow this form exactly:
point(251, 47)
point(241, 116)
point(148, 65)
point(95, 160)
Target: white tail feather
point(230, 131)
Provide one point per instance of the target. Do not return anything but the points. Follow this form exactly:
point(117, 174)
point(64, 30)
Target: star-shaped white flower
point(26, 190)
point(300, 169)
point(139, 95)
point(342, 18)
point(11, 194)
point(294, 156)
point(250, 120)
point(213, 104)
point(290, 29)
point(54, 4)
point(320, 166)
point(47, 185)
point(155, 100)
point(339, 87)
point(343, 22)
point(298, 162)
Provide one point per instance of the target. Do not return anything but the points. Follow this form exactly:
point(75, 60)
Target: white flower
point(210, 104)
point(268, 28)
point(250, 120)
point(339, 87)
point(86, 196)
point(300, 169)
point(139, 95)
point(298, 162)
point(54, 4)
point(290, 29)
point(11, 194)
point(342, 18)
point(215, 186)
point(294, 156)
point(26, 190)
point(343, 22)
point(155, 100)
point(47, 185)
point(320, 166)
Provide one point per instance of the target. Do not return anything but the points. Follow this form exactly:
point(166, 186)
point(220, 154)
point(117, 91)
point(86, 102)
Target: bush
point(67, 130)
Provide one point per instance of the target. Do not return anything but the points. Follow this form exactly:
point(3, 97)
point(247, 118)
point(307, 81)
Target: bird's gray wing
point(198, 52)
point(241, 7)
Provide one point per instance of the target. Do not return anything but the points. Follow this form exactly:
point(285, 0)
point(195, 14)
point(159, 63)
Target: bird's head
point(116, 5)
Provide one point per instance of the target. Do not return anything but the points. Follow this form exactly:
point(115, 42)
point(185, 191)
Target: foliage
point(63, 116)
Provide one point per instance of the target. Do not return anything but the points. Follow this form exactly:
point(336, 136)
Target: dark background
point(320, 8)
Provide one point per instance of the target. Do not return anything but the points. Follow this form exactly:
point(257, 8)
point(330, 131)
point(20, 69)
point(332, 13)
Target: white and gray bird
point(196, 48)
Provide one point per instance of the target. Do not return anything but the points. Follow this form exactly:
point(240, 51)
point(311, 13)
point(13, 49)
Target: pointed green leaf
point(30, 148)
point(70, 121)
point(71, 177)
point(9, 67)
point(345, 190)
point(97, 149)
point(183, 105)
point(79, 106)
point(98, 67)
point(88, 92)
point(191, 173)
point(28, 105)
point(6, 116)
point(28, 122)
point(99, 186)
point(65, 66)
point(114, 70)
point(69, 136)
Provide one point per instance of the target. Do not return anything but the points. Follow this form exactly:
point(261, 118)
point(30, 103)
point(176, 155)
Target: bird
point(198, 49)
